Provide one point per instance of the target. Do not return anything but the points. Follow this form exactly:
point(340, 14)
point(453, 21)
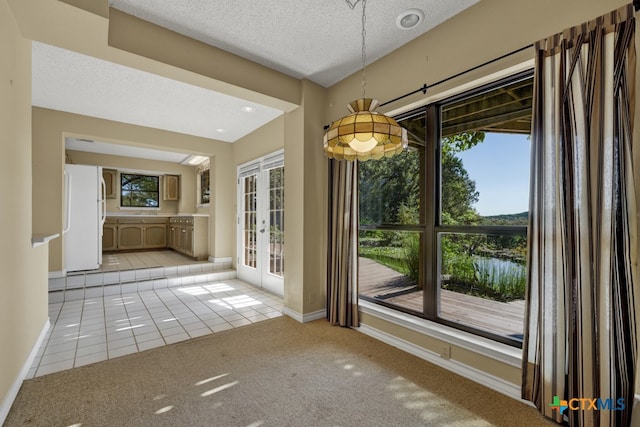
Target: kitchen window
point(139, 191)
point(443, 226)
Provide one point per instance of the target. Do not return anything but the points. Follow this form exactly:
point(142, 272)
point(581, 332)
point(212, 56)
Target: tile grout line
point(194, 313)
point(153, 320)
point(75, 351)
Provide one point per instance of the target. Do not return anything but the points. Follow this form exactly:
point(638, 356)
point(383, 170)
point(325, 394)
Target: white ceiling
point(317, 40)
point(91, 146)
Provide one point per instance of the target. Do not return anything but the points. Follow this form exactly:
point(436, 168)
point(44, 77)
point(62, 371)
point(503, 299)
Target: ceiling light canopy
point(364, 134)
point(409, 19)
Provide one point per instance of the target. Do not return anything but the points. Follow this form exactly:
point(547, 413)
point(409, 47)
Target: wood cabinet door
point(110, 180)
point(130, 236)
point(170, 235)
point(110, 237)
point(187, 240)
point(171, 187)
point(155, 235)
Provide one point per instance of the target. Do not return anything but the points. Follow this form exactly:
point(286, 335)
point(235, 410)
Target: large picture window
point(140, 191)
point(443, 226)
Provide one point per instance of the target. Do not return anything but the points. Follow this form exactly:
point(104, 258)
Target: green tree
point(388, 184)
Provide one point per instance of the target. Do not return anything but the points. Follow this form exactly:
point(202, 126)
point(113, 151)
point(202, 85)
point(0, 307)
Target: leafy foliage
point(387, 184)
point(390, 194)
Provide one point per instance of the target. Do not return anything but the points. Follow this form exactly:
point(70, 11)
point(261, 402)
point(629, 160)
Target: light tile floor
point(114, 261)
point(96, 329)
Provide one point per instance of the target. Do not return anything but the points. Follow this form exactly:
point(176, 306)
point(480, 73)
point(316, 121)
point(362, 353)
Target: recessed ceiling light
point(220, 130)
point(409, 19)
point(248, 109)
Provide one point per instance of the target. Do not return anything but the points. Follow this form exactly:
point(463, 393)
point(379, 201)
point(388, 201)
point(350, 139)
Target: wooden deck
point(380, 282)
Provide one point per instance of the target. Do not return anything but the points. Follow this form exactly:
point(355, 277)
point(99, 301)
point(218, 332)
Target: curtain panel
point(342, 256)
point(580, 326)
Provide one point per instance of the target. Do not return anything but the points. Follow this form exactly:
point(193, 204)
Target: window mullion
point(431, 207)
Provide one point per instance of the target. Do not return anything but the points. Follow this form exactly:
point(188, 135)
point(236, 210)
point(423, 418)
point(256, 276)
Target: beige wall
point(23, 304)
point(265, 140)
point(486, 31)
point(188, 189)
point(49, 130)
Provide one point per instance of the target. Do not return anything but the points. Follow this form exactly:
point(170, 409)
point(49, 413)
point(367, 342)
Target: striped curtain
point(342, 256)
point(580, 328)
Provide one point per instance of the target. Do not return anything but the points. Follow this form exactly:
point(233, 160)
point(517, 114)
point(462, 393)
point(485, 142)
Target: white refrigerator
point(83, 217)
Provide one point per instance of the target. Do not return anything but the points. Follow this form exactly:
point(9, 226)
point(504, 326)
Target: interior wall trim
point(304, 318)
point(7, 402)
point(498, 384)
point(500, 352)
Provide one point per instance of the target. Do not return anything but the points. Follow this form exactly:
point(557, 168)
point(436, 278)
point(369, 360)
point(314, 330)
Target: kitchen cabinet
point(110, 235)
point(110, 177)
point(154, 235)
point(189, 235)
point(171, 187)
point(141, 233)
point(130, 236)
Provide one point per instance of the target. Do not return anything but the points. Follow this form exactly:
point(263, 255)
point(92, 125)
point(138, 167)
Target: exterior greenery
point(390, 194)
point(140, 191)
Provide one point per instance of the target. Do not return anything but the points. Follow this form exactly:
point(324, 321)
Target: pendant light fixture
point(364, 134)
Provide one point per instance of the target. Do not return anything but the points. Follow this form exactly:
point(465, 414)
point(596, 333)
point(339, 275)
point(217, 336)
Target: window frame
point(200, 188)
point(431, 212)
point(136, 174)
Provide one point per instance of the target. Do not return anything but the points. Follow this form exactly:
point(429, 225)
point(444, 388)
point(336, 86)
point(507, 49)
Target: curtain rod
point(424, 88)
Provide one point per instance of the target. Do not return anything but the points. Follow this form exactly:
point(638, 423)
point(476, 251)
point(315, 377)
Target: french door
point(260, 244)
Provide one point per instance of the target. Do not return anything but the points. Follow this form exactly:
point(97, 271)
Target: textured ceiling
point(317, 40)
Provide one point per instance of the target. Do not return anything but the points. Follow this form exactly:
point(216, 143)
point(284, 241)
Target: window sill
point(504, 353)
point(133, 208)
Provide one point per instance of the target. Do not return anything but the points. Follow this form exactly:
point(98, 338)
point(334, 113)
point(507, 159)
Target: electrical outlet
point(445, 351)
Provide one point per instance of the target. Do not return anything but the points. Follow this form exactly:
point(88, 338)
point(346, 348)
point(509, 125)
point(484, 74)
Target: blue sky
point(500, 168)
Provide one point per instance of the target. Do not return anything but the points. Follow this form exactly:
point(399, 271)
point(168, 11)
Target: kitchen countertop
point(152, 215)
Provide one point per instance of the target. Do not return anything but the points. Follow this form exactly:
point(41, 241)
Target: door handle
point(262, 231)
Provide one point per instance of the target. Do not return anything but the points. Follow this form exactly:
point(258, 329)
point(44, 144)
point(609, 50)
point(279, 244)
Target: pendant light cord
point(364, 38)
point(364, 47)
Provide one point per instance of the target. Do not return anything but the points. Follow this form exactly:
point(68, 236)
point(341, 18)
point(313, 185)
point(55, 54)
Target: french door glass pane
point(250, 229)
point(276, 221)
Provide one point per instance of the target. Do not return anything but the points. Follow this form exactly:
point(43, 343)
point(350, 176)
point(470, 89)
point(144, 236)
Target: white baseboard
point(303, 318)
point(490, 381)
point(15, 387)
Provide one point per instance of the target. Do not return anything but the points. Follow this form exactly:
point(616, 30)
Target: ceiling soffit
point(132, 34)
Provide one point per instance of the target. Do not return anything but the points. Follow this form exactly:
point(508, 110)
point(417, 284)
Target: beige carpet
point(273, 373)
